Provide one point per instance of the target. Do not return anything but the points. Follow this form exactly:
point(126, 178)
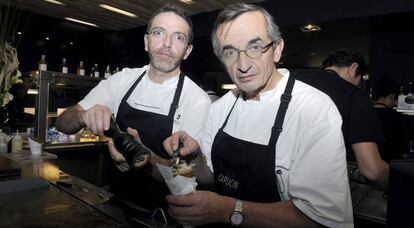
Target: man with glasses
point(273, 145)
point(153, 102)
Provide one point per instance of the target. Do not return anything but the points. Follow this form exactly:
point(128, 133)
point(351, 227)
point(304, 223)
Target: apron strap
point(126, 96)
point(174, 104)
point(281, 112)
point(228, 115)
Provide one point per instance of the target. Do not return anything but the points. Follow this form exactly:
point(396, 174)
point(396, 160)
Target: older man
point(274, 145)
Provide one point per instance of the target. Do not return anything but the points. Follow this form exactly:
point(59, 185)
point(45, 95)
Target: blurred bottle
point(64, 66)
point(107, 72)
point(3, 142)
point(371, 94)
point(96, 73)
point(401, 90)
point(410, 89)
point(92, 71)
point(81, 69)
point(43, 63)
point(17, 143)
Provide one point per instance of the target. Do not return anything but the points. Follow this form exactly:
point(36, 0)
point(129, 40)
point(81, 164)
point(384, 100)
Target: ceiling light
point(81, 22)
point(20, 33)
point(116, 10)
point(56, 2)
point(310, 28)
point(228, 86)
point(187, 1)
point(71, 43)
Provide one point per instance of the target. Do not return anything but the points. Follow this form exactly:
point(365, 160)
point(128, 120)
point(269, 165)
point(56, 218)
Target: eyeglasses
point(161, 34)
point(254, 51)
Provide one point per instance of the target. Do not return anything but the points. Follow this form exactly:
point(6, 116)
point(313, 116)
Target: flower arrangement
point(9, 73)
point(9, 63)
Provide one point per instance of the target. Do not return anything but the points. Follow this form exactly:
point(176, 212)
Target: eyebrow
point(161, 28)
point(252, 41)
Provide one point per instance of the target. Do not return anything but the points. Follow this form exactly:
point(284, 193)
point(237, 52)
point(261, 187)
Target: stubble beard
point(163, 65)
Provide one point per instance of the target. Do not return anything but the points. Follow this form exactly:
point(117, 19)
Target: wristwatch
point(237, 217)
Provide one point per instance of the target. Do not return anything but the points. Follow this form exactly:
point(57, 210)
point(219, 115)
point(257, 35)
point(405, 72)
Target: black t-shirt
point(359, 119)
point(396, 137)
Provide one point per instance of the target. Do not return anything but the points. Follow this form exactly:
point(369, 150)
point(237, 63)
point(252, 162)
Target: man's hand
point(96, 118)
point(199, 208)
point(189, 144)
point(117, 156)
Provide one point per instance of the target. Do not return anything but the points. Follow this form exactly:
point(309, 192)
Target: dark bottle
point(136, 154)
point(81, 69)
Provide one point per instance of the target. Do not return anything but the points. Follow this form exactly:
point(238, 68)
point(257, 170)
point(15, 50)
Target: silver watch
point(237, 217)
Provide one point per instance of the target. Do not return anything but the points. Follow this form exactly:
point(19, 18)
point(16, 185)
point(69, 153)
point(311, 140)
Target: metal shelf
point(48, 80)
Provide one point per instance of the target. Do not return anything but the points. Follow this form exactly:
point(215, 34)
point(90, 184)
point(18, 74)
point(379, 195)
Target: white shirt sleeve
point(318, 181)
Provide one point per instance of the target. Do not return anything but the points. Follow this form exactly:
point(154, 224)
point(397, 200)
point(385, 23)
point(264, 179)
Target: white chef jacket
point(153, 97)
point(310, 152)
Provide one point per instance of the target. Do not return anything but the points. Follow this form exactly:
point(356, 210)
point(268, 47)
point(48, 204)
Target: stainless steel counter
point(368, 203)
point(39, 199)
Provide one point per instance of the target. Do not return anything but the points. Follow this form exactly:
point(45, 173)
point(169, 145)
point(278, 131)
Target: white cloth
point(310, 151)
point(153, 97)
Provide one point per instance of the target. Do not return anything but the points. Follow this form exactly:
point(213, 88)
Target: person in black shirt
point(396, 143)
point(341, 73)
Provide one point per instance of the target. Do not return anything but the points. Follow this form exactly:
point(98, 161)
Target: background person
point(396, 144)
point(339, 78)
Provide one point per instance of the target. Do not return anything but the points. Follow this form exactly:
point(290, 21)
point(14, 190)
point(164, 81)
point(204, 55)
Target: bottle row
point(94, 72)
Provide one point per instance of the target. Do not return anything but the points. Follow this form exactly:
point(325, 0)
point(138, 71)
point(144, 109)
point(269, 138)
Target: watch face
point(236, 218)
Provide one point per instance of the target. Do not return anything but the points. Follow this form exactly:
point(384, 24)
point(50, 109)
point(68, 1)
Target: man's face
point(167, 42)
point(249, 29)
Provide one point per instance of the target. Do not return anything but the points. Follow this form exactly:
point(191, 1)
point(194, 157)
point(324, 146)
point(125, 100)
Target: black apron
point(136, 185)
point(246, 170)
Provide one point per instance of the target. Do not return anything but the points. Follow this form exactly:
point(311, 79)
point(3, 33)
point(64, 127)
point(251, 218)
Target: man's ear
point(277, 52)
point(146, 42)
point(188, 51)
point(353, 68)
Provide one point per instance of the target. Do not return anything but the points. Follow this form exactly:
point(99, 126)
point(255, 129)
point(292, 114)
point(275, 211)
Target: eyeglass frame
point(264, 50)
point(151, 34)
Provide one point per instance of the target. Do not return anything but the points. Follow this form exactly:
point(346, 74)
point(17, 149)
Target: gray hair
point(231, 12)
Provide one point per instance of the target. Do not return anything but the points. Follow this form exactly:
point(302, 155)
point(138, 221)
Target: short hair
point(233, 11)
point(344, 58)
point(385, 86)
point(177, 10)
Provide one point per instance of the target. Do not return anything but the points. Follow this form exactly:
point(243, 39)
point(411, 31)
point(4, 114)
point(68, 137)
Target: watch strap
point(239, 206)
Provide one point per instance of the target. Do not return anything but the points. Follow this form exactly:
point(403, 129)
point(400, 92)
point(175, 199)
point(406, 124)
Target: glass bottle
point(43, 63)
point(107, 72)
point(96, 73)
point(81, 69)
point(92, 71)
point(64, 66)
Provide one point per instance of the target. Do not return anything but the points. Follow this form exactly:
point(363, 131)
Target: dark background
point(378, 29)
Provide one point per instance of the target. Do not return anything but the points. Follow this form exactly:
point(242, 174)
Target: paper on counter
point(178, 185)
